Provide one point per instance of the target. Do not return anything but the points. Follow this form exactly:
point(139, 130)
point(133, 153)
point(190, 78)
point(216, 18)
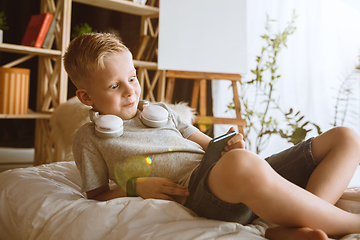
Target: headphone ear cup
point(109, 126)
point(154, 116)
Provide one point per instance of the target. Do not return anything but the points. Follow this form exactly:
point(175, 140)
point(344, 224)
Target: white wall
point(320, 54)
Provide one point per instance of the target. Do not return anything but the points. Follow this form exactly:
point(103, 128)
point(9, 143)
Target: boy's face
point(115, 89)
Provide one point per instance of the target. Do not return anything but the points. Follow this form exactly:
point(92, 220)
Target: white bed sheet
point(46, 202)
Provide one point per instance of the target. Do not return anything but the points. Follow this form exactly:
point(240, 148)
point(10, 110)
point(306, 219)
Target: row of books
point(40, 31)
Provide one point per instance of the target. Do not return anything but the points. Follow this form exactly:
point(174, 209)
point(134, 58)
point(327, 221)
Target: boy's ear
point(84, 97)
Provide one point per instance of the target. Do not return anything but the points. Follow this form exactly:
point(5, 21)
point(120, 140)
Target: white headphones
point(110, 126)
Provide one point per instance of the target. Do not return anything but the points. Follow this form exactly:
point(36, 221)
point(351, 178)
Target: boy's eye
point(132, 79)
point(114, 86)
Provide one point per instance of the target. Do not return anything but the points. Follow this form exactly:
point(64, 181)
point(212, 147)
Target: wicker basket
point(14, 90)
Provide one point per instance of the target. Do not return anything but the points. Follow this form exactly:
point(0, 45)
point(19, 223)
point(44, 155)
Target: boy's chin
point(128, 116)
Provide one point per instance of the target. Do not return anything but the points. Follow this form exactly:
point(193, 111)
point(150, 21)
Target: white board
point(203, 35)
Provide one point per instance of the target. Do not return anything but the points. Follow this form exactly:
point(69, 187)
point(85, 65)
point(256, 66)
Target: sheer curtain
point(320, 55)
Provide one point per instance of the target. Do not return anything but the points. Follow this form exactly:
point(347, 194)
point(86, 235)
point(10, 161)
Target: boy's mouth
point(130, 104)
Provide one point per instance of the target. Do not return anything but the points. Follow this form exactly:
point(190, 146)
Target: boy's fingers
point(176, 192)
point(174, 184)
point(237, 138)
point(171, 187)
point(232, 129)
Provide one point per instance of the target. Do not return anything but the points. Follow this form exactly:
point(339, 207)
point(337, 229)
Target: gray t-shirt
point(140, 152)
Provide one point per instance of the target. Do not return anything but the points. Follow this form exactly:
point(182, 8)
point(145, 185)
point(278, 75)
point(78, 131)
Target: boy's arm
point(200, 138)
point(150, 187)
point(104, 193)
point(203, 140)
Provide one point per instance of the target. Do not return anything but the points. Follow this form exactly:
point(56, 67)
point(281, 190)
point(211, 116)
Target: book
point(37, 29)
point(50, 35)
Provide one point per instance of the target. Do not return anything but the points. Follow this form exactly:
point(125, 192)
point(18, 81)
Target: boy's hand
point(235, 142)
point(159, 188)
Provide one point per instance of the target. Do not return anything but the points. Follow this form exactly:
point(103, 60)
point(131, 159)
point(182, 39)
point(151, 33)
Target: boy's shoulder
point(86, 126)
point(86, 131)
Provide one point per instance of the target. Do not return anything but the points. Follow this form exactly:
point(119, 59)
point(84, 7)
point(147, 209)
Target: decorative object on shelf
point(154, 3)
point(3, 25)
point(143, 2)
point(80, 29)
point(14, 90)
point(37, 29)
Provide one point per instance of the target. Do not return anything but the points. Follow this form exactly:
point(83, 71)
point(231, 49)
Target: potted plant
point(80, 29)
point(3, 25)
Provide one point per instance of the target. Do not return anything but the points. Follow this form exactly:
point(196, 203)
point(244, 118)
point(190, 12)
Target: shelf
point(30, 115)
point(145, 64)
point(13, 48)
point(123, 6)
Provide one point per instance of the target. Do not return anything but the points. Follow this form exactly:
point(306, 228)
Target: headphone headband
point(109, 126)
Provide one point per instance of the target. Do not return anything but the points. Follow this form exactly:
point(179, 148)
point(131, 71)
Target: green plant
point(80, 29)
point(3, 23)
point(344, 99)
point(257, 96)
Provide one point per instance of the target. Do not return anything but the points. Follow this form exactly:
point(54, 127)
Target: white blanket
point(46, 202)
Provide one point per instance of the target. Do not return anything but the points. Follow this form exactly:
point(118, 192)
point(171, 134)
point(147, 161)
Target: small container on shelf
point(14, 90)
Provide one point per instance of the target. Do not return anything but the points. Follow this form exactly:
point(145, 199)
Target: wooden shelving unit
point(13, 48)
point(52, 78)
point(123, 6)
point(30, 115)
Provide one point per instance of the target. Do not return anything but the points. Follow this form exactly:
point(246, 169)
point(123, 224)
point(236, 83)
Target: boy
point(101, 68)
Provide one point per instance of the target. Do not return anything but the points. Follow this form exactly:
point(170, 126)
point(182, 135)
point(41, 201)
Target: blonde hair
point(85, 54)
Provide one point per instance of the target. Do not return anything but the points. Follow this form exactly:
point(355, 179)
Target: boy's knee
point(237, 175)
point(347, 132)
point(241, 167)
point(345, 135)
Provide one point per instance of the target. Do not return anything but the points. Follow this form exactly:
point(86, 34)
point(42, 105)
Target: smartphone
point(211, 156)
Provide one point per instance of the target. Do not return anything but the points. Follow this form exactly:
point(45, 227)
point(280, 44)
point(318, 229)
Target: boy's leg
point(337, 153)
point(241, 176)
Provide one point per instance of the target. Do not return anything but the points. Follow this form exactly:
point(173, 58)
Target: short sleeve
point(93, 169)
point(181, 125)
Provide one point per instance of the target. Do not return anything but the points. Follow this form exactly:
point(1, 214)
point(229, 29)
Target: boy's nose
point(128, 91)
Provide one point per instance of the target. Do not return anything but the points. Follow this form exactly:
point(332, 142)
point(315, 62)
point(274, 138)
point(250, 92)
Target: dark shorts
point(295, 164)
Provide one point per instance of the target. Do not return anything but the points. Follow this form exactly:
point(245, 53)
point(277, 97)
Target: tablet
point(211, 156)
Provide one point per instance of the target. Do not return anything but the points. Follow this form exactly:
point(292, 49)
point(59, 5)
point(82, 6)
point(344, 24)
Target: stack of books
point(40, 31)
